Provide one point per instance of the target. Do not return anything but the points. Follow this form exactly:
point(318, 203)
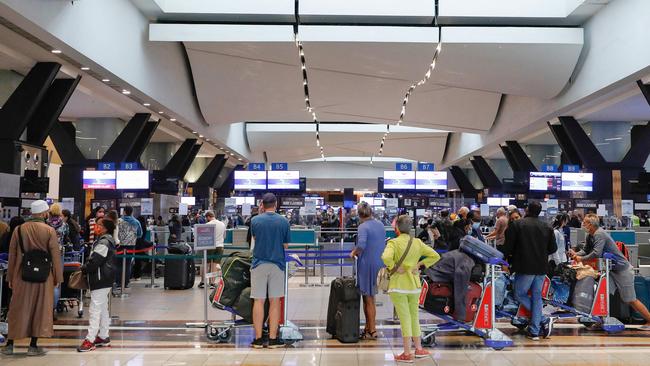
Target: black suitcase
point(179, 274)
point(343, 316)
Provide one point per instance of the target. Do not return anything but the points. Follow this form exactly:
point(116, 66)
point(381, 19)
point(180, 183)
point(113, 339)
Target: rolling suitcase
point(642, 289)
point(479, 249)
point(343, 312)
point(179, 274)
point(583, 294)
point(618, 309)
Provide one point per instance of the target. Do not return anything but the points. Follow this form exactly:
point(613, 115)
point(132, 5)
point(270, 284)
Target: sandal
point(369, 336)
point(404, 358)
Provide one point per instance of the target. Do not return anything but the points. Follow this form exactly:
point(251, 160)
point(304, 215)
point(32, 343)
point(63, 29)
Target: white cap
point(39, 206)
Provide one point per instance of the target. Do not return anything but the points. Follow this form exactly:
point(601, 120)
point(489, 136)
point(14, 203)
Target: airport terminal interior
point(455, 122)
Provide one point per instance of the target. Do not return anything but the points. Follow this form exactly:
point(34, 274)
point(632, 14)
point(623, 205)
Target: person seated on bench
point(454, 267)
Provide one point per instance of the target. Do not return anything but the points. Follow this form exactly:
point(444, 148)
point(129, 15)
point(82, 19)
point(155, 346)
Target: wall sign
point(279, 166)
point(129, 166)
point(105, 166)
point(549, 168)
point(569, 168)
point(426, 167)
point(403, 166)
point(146, 206)
point(204, 237)
point(257, 166)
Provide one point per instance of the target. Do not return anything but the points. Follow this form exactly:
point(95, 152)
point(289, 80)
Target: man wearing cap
point(270, 232)
point(30, 311)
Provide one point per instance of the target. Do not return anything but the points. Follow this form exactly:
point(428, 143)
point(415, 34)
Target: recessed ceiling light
point(194, 132)
point(173, 119)
point(85, 68)
point(146, 104)
point(239, 159)
point(200, 136)
point(207, 139)
point(106, 80)
point(231, 154)
point(56, 51)
point(125, 92)
point(161, 112)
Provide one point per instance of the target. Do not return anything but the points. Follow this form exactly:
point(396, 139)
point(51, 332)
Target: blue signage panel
point(426, 167)
point(257, 166)
point(549, 168)
point(279, 166)
point(571, 168)
point(129, 166)
point(105, 166)
point(403, 166)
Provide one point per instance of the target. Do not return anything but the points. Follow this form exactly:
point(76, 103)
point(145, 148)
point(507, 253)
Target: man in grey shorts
point(270, 232)
point(599, 242)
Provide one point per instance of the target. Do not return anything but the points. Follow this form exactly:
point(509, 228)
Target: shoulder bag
point(383, 277)
point(36, 265)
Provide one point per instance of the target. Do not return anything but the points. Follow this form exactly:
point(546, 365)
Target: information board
point(204, 237)
point(146, 206)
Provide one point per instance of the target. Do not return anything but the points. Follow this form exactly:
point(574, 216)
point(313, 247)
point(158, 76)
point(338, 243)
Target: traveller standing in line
point(99, 271)
point(498, 234)
point(73, 229)
point(219, 236)
point(30, 311)
point(560, 256)
point(405, 283)
point(371, 241)
point(271, 233)
point(56, 221)
point(529, 242)
point(175, 229)
point(127, 233)
point(89, 228)
point(599, 242)
point(513, 215)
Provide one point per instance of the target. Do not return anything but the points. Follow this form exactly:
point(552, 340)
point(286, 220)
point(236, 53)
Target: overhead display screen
point(99, 179)
point(241, 200)
point(132, 179)
point(190, 201)
point(250, 179)
point(283, 179)
point(398, 180)
point(430, 180)
point(583, 182)
point(545, 181)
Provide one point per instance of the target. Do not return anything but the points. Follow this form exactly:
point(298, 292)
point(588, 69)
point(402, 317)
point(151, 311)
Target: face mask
point(100, 215)
point(469, 231)
point(476, 225)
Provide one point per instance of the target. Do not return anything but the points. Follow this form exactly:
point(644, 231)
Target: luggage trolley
point(600, 313)
point(484, 323)
point(72, 261)
point(222, 332)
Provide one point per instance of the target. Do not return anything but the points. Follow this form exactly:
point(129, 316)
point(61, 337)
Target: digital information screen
point(99, 179)
point(241, 200)
point(190, 201)
point(430, 180)
point(250, 179)
point(132, 179)
point(583, 182)
point(545, 181)
point(283, 179)
point(398, 180)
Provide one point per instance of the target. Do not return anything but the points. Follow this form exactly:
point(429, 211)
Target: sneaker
point(7, 350)
point(531, 336)
point(258, 343)
point(547, 328)
point(421, 353)
point(86, 346)
point(36, 351)
point(201, 285)
point(276, 343)
point(405, 358)
point(106, 342)
point(212, 286)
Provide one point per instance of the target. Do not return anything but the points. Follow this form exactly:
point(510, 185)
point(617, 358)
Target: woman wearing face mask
point(89, 228)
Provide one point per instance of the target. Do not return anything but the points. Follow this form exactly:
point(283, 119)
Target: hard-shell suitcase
point(179, 273)
point(343, 310)
point(583, 294)
point(479, 249)
point(440, 299)
point(642, 289)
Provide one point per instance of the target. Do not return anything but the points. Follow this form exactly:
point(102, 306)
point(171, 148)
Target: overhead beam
point(510, 158)
point(63, 137)
point(175, 164)
point(143, 141)
point(23, 102)
point(188, 162)
point(485, 173)
point(49, 110)
point(211, 172)
point(645, 90)
point(126, 140)
point(462, 181)
point(589, 155)
point(569, 152)
point(639, 149)
point(519, 155)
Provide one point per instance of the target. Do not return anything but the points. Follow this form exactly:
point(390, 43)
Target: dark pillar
point(125, 143)
point(188, 162)
point(211, 172)
point(462, 181)
point(485, 173)
point(639, 149)
point(645, 90)
point(587, 152)
point(229, 183)
point(175, 165)
point(510, 158)
point(519, 155)
point(569, 152)
point(49, 110)
point(63, 137)
point(143, 141)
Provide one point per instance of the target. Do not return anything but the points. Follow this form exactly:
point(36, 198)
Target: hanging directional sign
point(257, 166)
point(569, 168)
point(426, 167)
point(279, 166)
point(403, 166)
point(549, 168)
point(105, 166)
point(129, 166)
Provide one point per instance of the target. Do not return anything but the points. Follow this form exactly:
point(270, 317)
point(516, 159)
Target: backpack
point(127, 233)
point(36, 264)
point(623, 249)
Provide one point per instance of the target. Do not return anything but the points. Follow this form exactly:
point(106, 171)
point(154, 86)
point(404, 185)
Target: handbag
point(36, 264)
point(78, 281)
point(383, 277)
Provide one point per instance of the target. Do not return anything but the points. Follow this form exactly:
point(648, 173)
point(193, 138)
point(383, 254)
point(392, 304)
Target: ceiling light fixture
point(125, 92)
point(173, 119)
point(56, 51)
point(106, 80)
point(194, 132)
point(305, 83)
point(85, 68)
point(200, 136)
point(411, 88)
point(146, 104)
point(161, 112)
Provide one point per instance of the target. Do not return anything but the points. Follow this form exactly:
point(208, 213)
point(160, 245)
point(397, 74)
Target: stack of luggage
point(343, 317)
point(234, 291)
point(180, 273)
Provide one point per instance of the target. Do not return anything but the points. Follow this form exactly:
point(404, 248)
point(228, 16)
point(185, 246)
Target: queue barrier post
point(152, 284)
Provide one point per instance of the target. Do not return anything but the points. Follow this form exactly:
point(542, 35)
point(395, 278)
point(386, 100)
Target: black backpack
point(36, 265)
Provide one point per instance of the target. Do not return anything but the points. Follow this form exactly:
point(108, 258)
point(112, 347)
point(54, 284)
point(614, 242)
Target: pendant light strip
point(409, 91)
point(305, 84)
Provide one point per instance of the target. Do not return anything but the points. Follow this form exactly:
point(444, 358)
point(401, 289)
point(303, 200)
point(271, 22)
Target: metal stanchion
point(322, 268)
point(153, 269)
point(306, 267)
point(341, 260)
point(123, 282)
point(204, 324)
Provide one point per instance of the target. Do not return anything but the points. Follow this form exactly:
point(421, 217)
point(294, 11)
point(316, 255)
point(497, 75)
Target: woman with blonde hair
point(403, 258)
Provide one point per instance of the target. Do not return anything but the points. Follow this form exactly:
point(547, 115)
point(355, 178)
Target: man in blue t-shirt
point(271, 234)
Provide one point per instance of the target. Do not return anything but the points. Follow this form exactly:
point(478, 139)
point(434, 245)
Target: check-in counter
point(236, 237)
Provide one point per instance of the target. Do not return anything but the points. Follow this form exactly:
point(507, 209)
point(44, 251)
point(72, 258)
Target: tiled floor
point(151, 331)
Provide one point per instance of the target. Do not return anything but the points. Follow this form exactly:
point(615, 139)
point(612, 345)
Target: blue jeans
point(532, 302)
